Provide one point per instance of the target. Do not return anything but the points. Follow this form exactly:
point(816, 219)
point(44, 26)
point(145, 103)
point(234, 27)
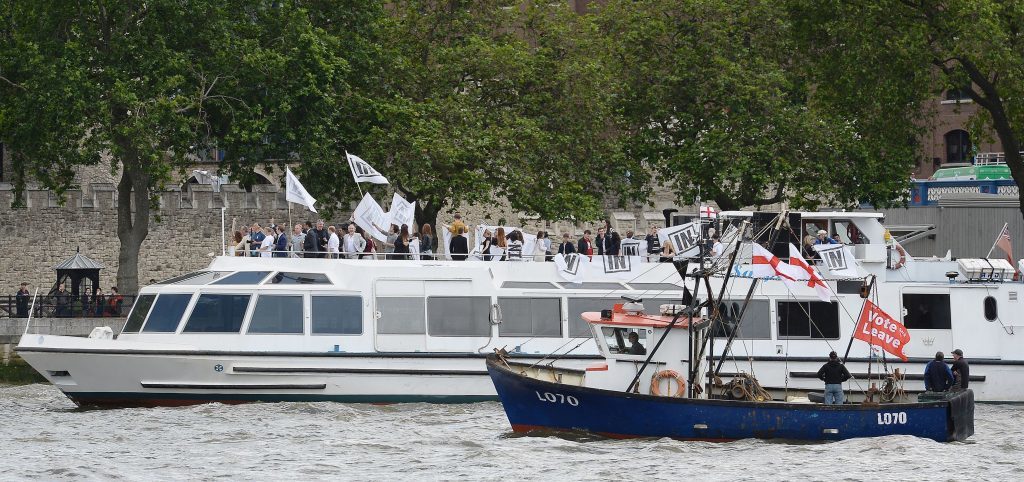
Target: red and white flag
point(707, 211)
point(764, 264)
point(810, 274)
point(1003, 243)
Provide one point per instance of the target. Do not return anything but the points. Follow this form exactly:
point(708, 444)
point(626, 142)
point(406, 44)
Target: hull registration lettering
point(899, 418)
point(557, 398)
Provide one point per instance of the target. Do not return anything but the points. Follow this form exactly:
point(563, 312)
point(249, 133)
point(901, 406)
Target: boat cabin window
point(757, 320)
point(215, 313)
point(844, 231)
point(299, 279)
point(538, 317)
point(202, 278)
point(577, 306)
point(991, 311)
point(401, 316)
point(167, 313)
point(619, 343)
point(459, 315)
point(926, 311)
point(277, 314)
point(243, 278)
point(529, 285)
point(338, 315)
point(142, 305)
point(592, 286)
point(808, 319)
point(180, 278)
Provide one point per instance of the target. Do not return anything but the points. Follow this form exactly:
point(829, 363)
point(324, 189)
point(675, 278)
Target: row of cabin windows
point(225, 313)
point(473, 315)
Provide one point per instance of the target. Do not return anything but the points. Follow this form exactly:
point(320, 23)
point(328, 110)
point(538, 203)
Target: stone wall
point(185, 232)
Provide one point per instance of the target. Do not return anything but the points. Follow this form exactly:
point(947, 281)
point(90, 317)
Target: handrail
point(51, 306)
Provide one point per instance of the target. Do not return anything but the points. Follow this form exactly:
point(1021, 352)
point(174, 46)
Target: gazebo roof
point(78, 262)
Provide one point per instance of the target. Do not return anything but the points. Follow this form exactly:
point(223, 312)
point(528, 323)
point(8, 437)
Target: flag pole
point(1001, 231)
point(354, 178)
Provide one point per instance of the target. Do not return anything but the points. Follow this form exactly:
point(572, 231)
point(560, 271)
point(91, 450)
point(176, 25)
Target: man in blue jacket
point(937, 375)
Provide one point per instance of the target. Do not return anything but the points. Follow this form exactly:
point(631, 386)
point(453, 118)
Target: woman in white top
point(542, 247)
point(267, 245)
point(333, 243)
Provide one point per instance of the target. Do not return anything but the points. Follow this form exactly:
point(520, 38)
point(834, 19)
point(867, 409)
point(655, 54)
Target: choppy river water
point(44, 437)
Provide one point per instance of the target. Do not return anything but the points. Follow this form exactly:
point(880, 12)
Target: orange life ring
point(656, 382)
point(903, 256)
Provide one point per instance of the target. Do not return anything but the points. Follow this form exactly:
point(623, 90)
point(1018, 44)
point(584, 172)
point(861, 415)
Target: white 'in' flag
point(295, 193)
point(363, 172)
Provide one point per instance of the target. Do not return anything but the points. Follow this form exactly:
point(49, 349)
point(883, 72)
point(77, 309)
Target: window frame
point(362, 313)
point(251, 312)
point(145, 317)
point(195, 302)
point(810, 324)
point(490, 313)
point(561, 309)
point(186, 311)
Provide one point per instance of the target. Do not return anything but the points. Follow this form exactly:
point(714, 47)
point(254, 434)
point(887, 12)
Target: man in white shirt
point(267, 245)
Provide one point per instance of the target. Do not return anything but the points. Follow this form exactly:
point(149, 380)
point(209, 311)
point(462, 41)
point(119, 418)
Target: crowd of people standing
point(350, 241)
point(347, 241)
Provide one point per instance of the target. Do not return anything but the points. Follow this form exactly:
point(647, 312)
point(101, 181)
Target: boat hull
point(533, 404)
point(111, 375)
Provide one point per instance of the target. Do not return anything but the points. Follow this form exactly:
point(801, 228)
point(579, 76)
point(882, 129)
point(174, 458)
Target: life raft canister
point(670, 374)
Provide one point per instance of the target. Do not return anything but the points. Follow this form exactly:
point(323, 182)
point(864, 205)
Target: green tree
point(484, 99)
point(712, 100)
point(881, 60)
point(144, 86)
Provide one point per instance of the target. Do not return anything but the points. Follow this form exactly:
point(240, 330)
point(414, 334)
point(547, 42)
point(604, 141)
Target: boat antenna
point(715, 303)
point(865, 292)
point(774, 235)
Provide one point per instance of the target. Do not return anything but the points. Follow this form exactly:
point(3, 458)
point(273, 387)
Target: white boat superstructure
point(269, 329)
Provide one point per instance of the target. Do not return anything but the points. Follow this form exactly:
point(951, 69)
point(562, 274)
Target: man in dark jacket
point(566, 247)
point(833, 374)
point(310, 244)
point(602, 242)
point(961, 371)
point(321, 240)
point(22, 300)
point(937, 376)
point(585, 245)
point(458, 247)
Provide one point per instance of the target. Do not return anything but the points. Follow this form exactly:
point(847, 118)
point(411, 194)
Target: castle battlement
point(195, 197)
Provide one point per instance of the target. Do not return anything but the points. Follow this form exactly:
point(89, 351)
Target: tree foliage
point(484, 99)
point(712, 99)
point(145, 86)
point(914, 50)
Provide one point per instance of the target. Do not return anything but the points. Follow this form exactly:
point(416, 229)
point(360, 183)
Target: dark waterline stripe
point(360, 371)
point(150, 399)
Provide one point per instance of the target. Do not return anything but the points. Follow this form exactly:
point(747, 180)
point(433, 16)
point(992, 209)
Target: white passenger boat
point(279, 329)
point(270, 329)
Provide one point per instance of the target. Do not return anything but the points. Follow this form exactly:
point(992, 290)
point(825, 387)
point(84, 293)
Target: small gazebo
point(80, 273)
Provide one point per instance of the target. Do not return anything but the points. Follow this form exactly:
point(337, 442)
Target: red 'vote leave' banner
point(878, 328)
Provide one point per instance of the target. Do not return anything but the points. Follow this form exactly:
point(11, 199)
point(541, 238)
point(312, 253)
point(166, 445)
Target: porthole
point(991, 312)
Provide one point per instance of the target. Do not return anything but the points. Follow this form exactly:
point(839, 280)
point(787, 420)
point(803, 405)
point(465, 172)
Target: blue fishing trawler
point(659, 379)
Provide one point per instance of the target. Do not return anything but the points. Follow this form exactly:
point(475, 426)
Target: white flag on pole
point(363, 172)
point(295, 193)
point(369, 216)
point(685, 238)
point(838, 259)
point(402, 211)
